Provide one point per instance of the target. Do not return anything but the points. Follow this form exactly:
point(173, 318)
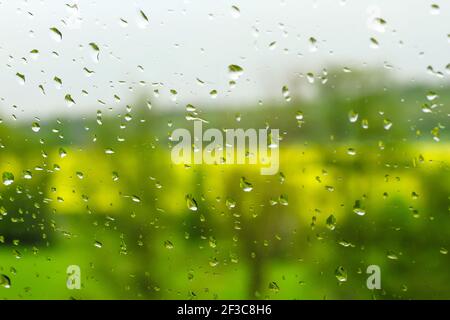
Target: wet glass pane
point(224, 149)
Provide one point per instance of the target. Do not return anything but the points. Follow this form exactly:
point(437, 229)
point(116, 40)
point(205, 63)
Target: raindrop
point(245, 185)
point(357, 208)
point(235, 12)
point(62, 153)
point(273, 286)
point(310, 77)
point(57, 35)
point(34, 54)
point(341, 274)
point(213, 94)
point(96, 49)
point(392, 255)
point(374, 43)
point(98, 244)
point(230, 203)
point(286, 94)
point(5, 282)
point(191, 203)
point(387, 124)
point(173, 94)
point(431, 95)
point(168, 244)
point(379, 24)
point(312, 44)
point(58, 82)
point(144, 21)
point(331, 222)
point(21, 78)
point(353, 116)
point(235, 71)
point(435, 9)
point(35, 127)
point(135, 198)
point(8, 178)
point(27, 175)
point(283, 200)
point(69, 100)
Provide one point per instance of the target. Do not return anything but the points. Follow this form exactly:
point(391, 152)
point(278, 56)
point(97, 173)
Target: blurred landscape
point(364, 180)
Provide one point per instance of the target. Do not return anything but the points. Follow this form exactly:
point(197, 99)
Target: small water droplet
point(245, 185)
point(392, 255)
point(5, 282)
point(168, 244)
point(357, 208)
point(353, 116)
point(191, 203)
point(62, 153)
point(35, 127)
point(235, 71)
point(435, 9)
point(56, 34)
point(331, 222)
point(273, 286)
point(21, 78)
point(98, 244)
point(69, 100)
point(286, 94)
point(235, 12)
point(341, 274)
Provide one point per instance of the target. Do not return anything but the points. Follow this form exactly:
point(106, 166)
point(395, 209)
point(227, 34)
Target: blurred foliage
point(103, 194)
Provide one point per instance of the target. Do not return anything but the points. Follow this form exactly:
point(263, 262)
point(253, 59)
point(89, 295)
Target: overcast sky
point(186, 41)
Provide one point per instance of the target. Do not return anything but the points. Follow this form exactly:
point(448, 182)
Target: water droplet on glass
point(230, 203)
point(96, 51)
point(387, 124)
point(235, 12)
point(56, 34)
point(21, 78)
point(235, 71)
point(35, 127)
point(5, 282)
point(286, 94)
point(379, 24)
point(341, 274)
point(273, 286)
point(374, 44)
point(353, 116)
point(8, 178)
point(69, 100)
point(392, 255)
point(98, 244)
point(168, 244)
point(331, 222)
point(431, 95)
point(245, 185)
point(351, 151)
point(435, 9)
point(357, 208)
point(213, 94)
point(312, 44)
point(143, 21)
point(62, 153)
point(191, 203)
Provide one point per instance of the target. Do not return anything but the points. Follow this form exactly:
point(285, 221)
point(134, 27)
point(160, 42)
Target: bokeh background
point(91, 92)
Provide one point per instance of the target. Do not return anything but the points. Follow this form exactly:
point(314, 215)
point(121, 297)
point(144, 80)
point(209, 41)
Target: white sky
point(186, 40)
